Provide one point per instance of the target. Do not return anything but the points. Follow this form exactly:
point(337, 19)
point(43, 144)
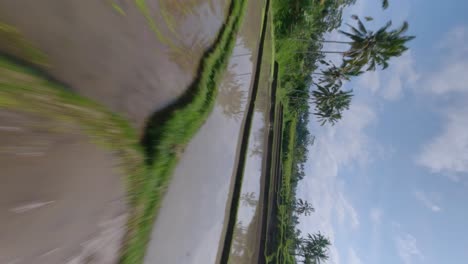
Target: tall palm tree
point(335, 75)
point(371, 48)
point(314, 248)
point(385, 4)
point(303, 207)
point(330, 101)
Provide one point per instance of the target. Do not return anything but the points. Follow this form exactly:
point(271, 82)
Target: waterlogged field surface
point(246, 237)
point(51, 172)
point(191, 221)
point(135, 57)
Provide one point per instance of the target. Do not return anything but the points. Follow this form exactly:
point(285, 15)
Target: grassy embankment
point(262, 73)
point(168, 132)
point(297, 60)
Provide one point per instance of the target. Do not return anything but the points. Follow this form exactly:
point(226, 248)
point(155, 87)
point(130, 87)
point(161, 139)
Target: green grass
point(25, 90)
point(281, 251)
point(170, 131)
point(118, 8)
point(144, 9)
point(13, 42)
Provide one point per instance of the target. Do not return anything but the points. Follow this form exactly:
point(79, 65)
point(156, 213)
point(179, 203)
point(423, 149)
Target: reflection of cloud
point(335, 147)
point(448, 152)
point(426, 201)
point(407, 248)
point(353, 257)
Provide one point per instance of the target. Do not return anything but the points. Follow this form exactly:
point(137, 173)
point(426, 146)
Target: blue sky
point(390, 181)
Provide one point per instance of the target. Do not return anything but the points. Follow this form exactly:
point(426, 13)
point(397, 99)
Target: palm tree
point(335, 75)
point(371, 48)
point(374, 48)
point(303, 207)
point(385, 4)
point(330, 101)
point(314, 248)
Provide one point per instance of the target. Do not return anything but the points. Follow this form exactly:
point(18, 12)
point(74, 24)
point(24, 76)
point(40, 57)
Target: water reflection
point(116, 59)
point(61, 197)
point(249, 199)
point(191, 220)
point(232, 97)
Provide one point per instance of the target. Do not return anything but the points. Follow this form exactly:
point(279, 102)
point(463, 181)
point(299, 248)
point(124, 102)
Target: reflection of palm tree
point(258, 142)
point(231, 97)
point(249, 199)
point(239, 241)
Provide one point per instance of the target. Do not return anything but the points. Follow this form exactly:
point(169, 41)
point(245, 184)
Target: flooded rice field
point(63, 196)
point(191, 222)
point(62, 200)
point(135, 57)
point(246, 237)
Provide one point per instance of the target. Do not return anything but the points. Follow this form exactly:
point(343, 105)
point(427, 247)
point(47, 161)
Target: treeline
point(294, 22)
point(307, 80)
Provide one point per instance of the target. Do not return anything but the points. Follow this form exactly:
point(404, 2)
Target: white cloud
point(342, 145)
point(353, 257)
point(370, 80)
point(401, 73)
point(376, 216)
point(451, 78)
point(447, 153)
point(407, 248)
point(345, 211)
point(426, 201)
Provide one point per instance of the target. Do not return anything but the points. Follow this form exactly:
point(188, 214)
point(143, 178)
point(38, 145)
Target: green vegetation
point(149, 167)
point(299, 29)
point(144, 9)
point(170, 130)
point(14, 43)
point(118, 8)
point(26, 90)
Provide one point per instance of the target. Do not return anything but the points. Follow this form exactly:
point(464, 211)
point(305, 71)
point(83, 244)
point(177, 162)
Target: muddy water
point(192, 218)
point(246, 237)
point(132, 63)
point(61, 198)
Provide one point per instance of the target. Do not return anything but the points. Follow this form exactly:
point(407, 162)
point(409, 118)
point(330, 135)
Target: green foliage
point(303, 207)
point(330, 101)
point(371, 48)
point(14, 43)
point(170, 131)
point(385, 4)
point(314, 248)
point(26, 90)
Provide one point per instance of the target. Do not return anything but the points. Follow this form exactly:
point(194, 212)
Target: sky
point(390, 181)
